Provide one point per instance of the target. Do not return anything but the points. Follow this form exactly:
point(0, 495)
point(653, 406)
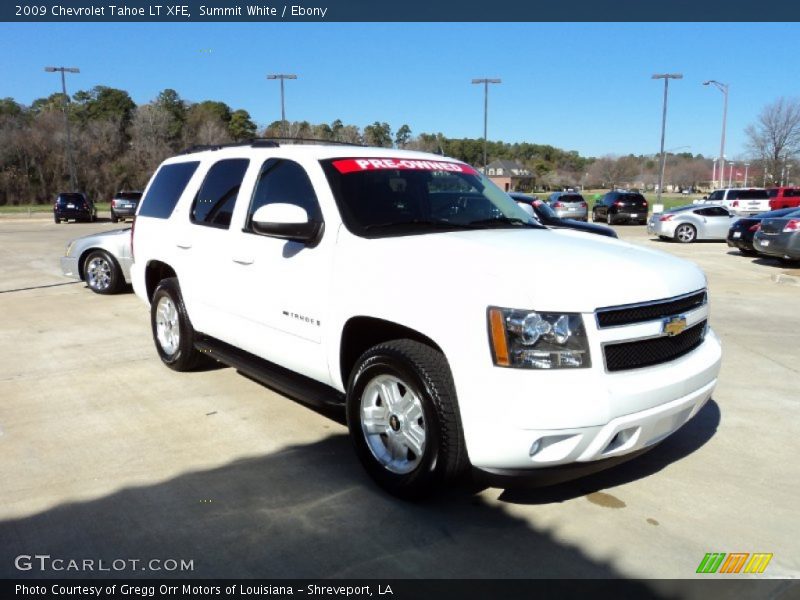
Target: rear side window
point(287, 182)
point(213, 205)
point(791, 193)
point(166, 189)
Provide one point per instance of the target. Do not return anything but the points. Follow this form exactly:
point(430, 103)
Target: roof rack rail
point(265, 142)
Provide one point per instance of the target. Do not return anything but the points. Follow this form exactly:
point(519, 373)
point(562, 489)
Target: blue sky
point(582, 87)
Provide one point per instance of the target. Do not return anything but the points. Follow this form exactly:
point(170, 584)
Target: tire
point(102, 273)
point(685, 233)
point(172, 330)
point(609, 218)
point(416, 443)
point(56, 219)
point(114, 217)
point(745, 252)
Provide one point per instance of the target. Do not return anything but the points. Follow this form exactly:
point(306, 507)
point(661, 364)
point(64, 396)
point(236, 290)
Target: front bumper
point(69, 267)
point(520, 419)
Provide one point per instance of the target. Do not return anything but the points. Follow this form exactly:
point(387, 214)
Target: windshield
point(380, 197)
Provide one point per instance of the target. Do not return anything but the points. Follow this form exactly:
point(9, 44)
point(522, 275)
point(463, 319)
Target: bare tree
point(775, 137)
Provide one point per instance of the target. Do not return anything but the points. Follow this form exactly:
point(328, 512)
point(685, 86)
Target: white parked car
point(408, 288)
point(686, 224)
point(741, 201)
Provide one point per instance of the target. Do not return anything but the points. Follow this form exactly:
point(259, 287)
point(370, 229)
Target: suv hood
point(545, 270)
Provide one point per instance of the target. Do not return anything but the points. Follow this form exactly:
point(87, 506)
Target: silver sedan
point(686, 224)
point(102, 260)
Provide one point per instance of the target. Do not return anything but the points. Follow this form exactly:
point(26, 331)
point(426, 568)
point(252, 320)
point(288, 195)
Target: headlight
point(535, 340)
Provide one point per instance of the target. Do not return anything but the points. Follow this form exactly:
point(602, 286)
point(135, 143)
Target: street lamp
point(666, 77)
point(730, 174)
point(746, 169)
point(485, 83)
point(722, 87)
point(282, 77)
point(72, 178)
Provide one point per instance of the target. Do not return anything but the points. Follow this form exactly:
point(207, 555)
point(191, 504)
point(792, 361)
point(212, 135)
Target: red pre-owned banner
point(355, 165)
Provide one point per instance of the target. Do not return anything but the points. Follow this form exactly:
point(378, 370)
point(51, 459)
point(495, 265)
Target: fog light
point(537, 445)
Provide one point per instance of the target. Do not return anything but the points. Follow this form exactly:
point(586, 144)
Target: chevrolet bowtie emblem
point(673, 325)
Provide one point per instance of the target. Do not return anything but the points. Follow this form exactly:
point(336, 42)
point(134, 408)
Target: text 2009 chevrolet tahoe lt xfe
point(458, 331)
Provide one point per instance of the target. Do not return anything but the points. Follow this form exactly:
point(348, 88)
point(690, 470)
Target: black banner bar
point(265, 11)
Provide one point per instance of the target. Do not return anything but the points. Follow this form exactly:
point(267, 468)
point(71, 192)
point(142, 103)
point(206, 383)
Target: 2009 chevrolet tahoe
point(456, 328)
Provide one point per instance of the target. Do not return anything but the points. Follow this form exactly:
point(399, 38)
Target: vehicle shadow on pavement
point(685, 441)
point(307, 511)
point(776, 263)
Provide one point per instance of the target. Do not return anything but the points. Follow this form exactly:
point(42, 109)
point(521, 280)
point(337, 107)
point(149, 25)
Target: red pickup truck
point(783, 197)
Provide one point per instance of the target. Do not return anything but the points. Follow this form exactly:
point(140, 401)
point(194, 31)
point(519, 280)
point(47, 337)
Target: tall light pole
point(485, 83)
point(666, 77)
point(282, 77)
point(714, 171)
point(722, 87)
point(72, 178)
point(730, 174)
point(746, 169)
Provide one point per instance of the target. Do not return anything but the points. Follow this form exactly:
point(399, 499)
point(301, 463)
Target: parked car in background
point(569, 205)
point(617, 206)
point(74, 205)
point(741, 233)
point(102, 260)
point(779, 237)
point(784, 197)
point(542, 211)
point(123, 205)
point(686, 224)
point(742, 201)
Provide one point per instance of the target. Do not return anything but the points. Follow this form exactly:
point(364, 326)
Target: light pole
point(666, 77)
point(746, 170)
point(714, 172)
point(730, 174)
point(282, 77)
point(485, 83)
point(722, 87)
point(72, 178)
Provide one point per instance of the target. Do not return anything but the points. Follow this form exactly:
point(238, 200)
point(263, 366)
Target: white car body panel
point(237, 286)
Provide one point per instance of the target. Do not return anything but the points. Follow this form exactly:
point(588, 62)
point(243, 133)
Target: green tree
point(378, 134)
point(103, 103)
point(402, 136)
point(241, 127)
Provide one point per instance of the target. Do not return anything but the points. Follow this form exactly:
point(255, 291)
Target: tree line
point(117, 144)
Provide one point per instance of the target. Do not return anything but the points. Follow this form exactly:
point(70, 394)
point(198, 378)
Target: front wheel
point(403, 417)
point(102, 273)
point(685, 233)
point(173, 333)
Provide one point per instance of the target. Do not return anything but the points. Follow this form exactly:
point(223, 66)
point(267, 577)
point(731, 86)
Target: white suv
point(741, 201)
point(410, 289)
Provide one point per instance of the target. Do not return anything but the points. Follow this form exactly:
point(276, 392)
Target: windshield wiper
point(505, 221)
point(437, 224)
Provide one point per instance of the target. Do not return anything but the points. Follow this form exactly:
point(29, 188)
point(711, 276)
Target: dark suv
point(74, 205)
point(615, 207)
point(123, 205)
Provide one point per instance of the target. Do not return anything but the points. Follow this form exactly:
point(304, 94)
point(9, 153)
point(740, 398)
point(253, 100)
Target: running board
point(284, 381)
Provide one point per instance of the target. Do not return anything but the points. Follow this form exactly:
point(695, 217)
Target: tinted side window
point(286, 182)
point(713, 211)
point(716, 196)
point(166, 189)
point(213, 205)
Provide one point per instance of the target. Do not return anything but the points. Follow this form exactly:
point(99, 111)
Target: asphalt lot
point(106, 454)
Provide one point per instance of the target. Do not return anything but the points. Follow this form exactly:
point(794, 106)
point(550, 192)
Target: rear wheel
point(114, 218)
point(102, 273)
point(609, 218)
point(685, 233)
point(403, 417)
point(173, 333)
point(56, 219)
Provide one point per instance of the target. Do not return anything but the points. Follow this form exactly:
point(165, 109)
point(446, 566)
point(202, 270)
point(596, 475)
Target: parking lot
point(107, 454)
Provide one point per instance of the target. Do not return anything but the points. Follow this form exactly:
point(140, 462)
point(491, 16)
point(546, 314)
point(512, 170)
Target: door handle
point(184, 245)
point(243, 260)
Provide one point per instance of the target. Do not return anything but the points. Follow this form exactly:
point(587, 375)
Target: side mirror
point(286, 222)
point(705, 197)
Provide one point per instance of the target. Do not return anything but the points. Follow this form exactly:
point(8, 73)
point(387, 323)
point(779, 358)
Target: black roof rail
point(265, 142)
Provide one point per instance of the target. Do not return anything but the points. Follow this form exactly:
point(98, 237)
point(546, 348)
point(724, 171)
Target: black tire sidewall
point(184, 358)
point(421, 480)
